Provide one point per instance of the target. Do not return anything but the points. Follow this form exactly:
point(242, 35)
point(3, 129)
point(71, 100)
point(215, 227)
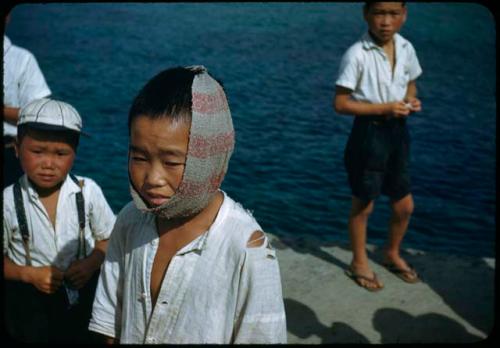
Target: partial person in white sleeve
point(23, 82)
point(186, 263)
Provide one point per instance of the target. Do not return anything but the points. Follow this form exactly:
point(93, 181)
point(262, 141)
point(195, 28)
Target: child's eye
point(138, 159)
point(173, 164)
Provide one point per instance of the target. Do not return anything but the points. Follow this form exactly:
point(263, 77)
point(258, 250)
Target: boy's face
point(385, 19)
point(157, 157)
point(45, 158)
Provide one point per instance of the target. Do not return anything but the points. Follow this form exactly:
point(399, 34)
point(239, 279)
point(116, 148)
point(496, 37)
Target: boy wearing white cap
point(186, 263)
point(55, 230)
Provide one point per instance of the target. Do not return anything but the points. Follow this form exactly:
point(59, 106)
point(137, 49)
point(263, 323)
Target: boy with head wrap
point(186, 264)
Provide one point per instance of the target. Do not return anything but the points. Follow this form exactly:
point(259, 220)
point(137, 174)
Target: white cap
point(50, 114)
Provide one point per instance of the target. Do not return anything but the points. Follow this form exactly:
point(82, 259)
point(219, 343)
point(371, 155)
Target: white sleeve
point(260, 313)
point(349, 70)
point(7, 216)
point(107, 307)
point(413, 64)
point(102, 218)
point(32, 83)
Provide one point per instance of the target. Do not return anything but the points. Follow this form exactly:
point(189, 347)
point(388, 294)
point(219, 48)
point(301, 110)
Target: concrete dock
point(454, 303)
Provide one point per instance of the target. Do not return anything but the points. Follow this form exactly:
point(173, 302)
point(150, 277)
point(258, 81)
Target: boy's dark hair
point(369, 4)
point(68, 136)
point(168, 94)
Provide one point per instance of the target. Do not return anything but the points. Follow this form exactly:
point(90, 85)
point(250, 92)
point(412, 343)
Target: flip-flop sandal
point(403, 274)
point(356, 277)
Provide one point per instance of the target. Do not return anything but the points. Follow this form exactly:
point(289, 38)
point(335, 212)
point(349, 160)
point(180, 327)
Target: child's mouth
point(156, 200)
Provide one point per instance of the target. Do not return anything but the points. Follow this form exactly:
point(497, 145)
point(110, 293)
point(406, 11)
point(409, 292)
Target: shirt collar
point(200, 243)
point(68, 187)
point(368, 42)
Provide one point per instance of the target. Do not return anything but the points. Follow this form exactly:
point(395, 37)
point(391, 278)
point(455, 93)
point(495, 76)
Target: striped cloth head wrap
point(211, 143)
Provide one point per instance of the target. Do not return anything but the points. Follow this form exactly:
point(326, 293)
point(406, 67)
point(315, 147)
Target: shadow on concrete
point(474, 301)
point(306, 246)
point(396, 326)
point(303, 323)
point(470, 295)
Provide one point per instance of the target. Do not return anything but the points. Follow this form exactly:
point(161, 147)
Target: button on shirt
point(23, 80)
point(215, 290)
point(55, 246)
point(365, 69)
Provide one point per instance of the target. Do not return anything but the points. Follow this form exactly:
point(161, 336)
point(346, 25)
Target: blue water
point(278, 63)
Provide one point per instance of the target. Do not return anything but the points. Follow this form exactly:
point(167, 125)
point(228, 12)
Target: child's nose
point(48, 162)
point(156, 176)
point(386, 19)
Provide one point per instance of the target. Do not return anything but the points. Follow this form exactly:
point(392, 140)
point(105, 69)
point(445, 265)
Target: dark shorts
point(377, 158)
point(34, 317)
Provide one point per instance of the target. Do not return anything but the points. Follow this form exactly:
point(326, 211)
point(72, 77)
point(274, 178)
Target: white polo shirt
point(216, 289)
point(55, 246)
point(365, 69)
point(23, 80)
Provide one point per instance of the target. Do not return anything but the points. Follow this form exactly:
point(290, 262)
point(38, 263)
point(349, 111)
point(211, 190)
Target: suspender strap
point(80, 205)
point(21, 218)
point(23, 223)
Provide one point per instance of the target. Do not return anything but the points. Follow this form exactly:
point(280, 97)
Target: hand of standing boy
point(414, 104)
point(398, 109)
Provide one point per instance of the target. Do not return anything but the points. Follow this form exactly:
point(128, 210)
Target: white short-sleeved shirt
point(23, 80)
point(365, 69)
point(216, 289)
point(55, 246)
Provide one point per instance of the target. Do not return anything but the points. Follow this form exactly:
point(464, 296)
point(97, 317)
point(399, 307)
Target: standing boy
point(55, 230)
point(186, 263)
point(376, 84)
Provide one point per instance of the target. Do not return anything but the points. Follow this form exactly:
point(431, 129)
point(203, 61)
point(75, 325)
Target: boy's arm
point(106, 310)
point(10, 114)
point(344, 104)
point(80, 271)
point(106, 339)
point(411, 96)
point(46, 279)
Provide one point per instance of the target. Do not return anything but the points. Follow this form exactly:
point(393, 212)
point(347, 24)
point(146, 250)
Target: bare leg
point(401, 213)
point(358, 220)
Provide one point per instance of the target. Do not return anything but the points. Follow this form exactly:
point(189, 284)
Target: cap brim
point(52, 127)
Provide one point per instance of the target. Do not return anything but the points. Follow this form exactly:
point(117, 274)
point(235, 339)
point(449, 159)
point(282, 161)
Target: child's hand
point(398, 109)
point(46, 279)
point(79, 273)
